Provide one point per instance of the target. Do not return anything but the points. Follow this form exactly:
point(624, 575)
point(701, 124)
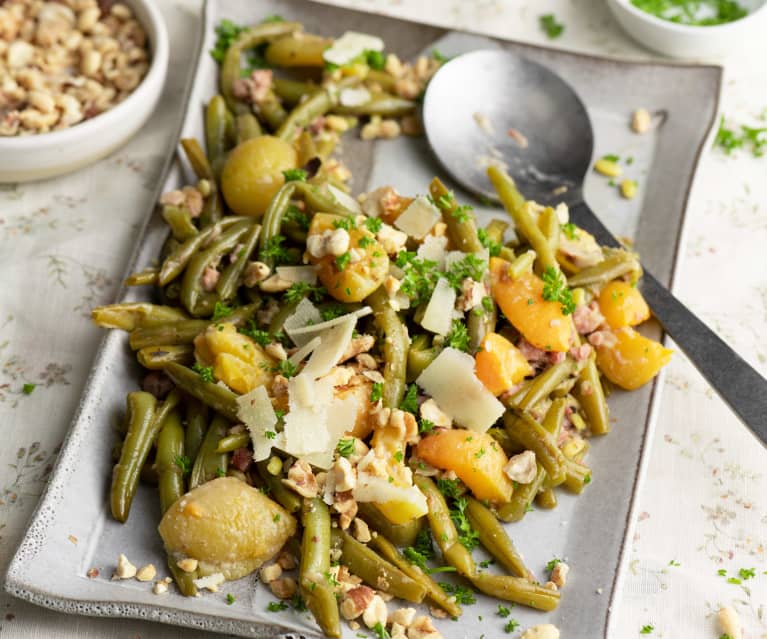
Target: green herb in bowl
point(697, 13)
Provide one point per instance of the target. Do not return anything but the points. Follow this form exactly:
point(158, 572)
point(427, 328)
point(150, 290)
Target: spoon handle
point(737, 383)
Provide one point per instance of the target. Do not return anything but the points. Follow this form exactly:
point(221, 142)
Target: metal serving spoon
point(510, 89)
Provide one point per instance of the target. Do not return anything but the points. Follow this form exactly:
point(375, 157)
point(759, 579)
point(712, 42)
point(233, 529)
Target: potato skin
point(622, 304)
point(629, 359)
point(228, 526)
point(475, 457)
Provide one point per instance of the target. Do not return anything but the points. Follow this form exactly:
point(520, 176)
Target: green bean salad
point(347, 393)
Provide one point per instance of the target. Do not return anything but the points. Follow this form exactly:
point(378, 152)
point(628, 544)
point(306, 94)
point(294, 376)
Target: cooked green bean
point(555, 416)
point(522, 497)
point(300, 50)
point(216, 116)
point(319, 198)
point(157, 357)
point(216, 397)
point(176, 262)
point(170, 334)
point(142, 430)
point(461, 228)
point(196, 426)
point(272, 221)
point(231, 443)
point(616, 264)
point(306, 148)
point(241, 315)
point(546, 499)
point(494, 538)
point(591, 395)
point(247, 127)
point(420, 354)
point(549, 225)
point(442, 527)
point(514, 203)
point(230, 276)
point(382, 104)
point(434, 591)
point(271, 111)
point(495, 230)
point(385, 80)
point(288, 499)
point(526, 431)
point(521, 264)
point(209, 463)
point(180, 222)
point(577, 476)
point(184, 580)
point(291, 91)
point(399, 534)
point(396, 344)
point(170, 449)
point(143, 278)
point(374, 570)
point(315, 566)
point(305, 113)
point(479, 323)
point(197, 159)
point(543, 384)
point(517, 590)
point(131, 315)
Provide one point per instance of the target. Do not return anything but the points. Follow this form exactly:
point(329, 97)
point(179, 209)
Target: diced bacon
point(210, 278)
point(581, 353)
point(557, 358)
point(254, 89)
point(317, 125)
point(588, 318)
point(241, 459)
point(531, 353)
point(602, 338)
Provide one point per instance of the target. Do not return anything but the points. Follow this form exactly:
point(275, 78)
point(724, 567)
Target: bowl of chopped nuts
point(691, 28)
point(78, 78)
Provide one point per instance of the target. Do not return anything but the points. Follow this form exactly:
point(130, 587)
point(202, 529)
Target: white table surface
point(703, 505)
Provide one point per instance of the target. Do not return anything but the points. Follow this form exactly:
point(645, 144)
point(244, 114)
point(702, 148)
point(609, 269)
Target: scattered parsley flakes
point(503, 611)
point(205, 372)
point(425, 426)
point(230, 599)
point(184, 464)
point(342, 261)
point(550, 565)
point(274, 250)
point(462, 594)
point(511, 625)
point(729, 139)
point(550, 26)
point(450, 488)
point(611, 157)
point(555, 290)
point(226, 33)
point(469, 266)
point(299, 290)
point(570, 231)
point(346, 223)
point(277, 606)
point(647, 629)
point(270, 434)
point(28, 388)
point(345, 447)
point(365, 241)
point(286, 368)
point(376, 392)
point(399, 456)
point(296, 215)
point(220, 311)
point(331, 311)
point(373, 224)
point(721, 572)
point(380, 631)
point(295, 175)
point(375, 59)
point(747, 573)
point(734, 580)
point(461, 213)
point(493, 247)
point(458, 337)
point(466, 533)
point(409, 402)
point(674, 563)
point(262, 338)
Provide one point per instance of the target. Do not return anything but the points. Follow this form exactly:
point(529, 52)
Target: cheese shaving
point(256, 412)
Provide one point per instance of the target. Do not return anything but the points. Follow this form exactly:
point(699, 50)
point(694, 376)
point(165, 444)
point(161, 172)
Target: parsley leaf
point(462, 594)
point(458, 337)
point(550, 26)
point(647, 629)
point(492, 246)
point(380, 631)
point(229, 599)
point(184, 464)
point(299, 290)
point(555, 290)
point(260, 337)
point(461, 213)
point(220, 311)
point(425, 426)
point(420, 276)
point(294, 214)
point(503, 611)
point(552, 563)
point(28, 389)
point(409, 402)
point(373, 224)
point(345, 447)
point(470, 266)
point(226, 33)
point(205, 372)
point(376, 392)
point(347, 223)
point(295, 175)
point(611, 157)
point(342, 261)
point(450, 488)
point(331, 311)
point(277, 606)
point(570, 231)
point(747, 573)
point(466, 533)
point(511, 625)
point(275, 251)
point(375, 59)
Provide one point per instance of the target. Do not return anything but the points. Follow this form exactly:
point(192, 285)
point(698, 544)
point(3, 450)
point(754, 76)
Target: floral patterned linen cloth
point(702, 527)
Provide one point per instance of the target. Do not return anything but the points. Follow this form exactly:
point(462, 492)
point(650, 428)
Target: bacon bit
point(520, 139)
point(210, 278)
point(587, 319)
point(531, 353)
point(581, 353)
point(254, 89)
point(241, 459)
point(602, 338)
point(92, 573)
point(557, 358)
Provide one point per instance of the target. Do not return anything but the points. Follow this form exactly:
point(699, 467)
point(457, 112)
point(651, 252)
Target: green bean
point(291, 91)
point(175, 263)
point(555, 416)
point(480, 324)
point(143, 278)
point(616, 264)
point(233, 442)
point(306, 148)
point(319, 198)
point(517, 590)
point(247, 127)
point(271, 111)
point(549, 224)
point(215, 135)
point(304, 114)
point(381, 104)
point(142, 430)
point(494, 538)
point(300, 50)
point(192, 295)
point(209, 463)
point(374, 570)
point(546, 382)
point(241, 315)
point(212, 209)
point(230, 68)
point(131, 315)
point(180, 222)
point(577, 476)
point(184, 580)
point(442, 527)
point(315, 565)
point(460, 558)
point(157, 357)
point(502, 437)
point(399, 534)
point(216, 397)
point(196, 426)
point(591, 395)
point(395, 347)
point(198, 159)
point(420, 354)
point(170, 334)
point(495, 230)
point(170, 449)
point(527, 432)
point(434, 591)
point(507, 253)
point(230, 276)
point(461, 229)
point(526, 227)
point(386, 81)
point(289, 500)
point(272, 220)
point(523, 496)
point(523, 263)
point(546, 499)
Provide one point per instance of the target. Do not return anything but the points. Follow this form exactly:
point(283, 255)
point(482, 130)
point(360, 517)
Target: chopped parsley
point(552, 563)
point(445, 201)
point(331, 311)
point(229, 599)
point(274, 250)
point(296, 215)
point(425, 426)
point(375, 59)
point(260, 337)
point(300, 290)
point(345, 447)
point(295, 175)
point(347, 223)
point(458, 337)
point(729, 139)
point(503, 611)
point(550, 26)
point(342, 261)
point(611, 157)
point(220, 472)
point(277, 606)
point(647, 629)
point(286, 368)
point(28, 389)
point(226, 33)
point(409, 402)
point(420, 276)
point(469, 266)
point(511, 625)
point(492, 246)
point(205, 372)
point(365, 241)
point(747, 573)
point(272, 18)
point(462, 594)
point(555, 290)
point(570, 231)
point(688, 12)
point(450, 488)
point(220, 311)
point(380, 631)
point(466, 533)
point(439, 56)
point(674, 563)
point(184, 464)
point(485, 563)
point(461, 213)
point(373, 224)
point(376, 392)
point(270, 434)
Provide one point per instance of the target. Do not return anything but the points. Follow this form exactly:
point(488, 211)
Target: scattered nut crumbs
point(92, 573)
point(73, 539)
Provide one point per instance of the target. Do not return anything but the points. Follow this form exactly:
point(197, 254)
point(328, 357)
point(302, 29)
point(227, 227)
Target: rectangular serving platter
point(590, 531)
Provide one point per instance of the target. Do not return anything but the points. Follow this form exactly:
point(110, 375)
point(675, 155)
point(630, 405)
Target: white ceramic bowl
point(33, 157)
point(682, 41)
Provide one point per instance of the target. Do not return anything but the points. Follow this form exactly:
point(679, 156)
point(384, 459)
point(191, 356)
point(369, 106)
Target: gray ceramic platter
point(589, 531)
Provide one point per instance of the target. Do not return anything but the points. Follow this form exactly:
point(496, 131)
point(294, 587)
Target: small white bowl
point(684, 41)
point(34, 157)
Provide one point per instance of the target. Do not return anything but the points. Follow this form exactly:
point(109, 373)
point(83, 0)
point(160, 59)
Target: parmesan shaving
point(350, 46)
point(303, 352)
point(418, 218)
point(306, 274)
point(345, 200)
point(438, 315)
point(334, 342)
point(320, 327)
point(256, 412)
point(380, 490)
point(433, 249)
point(450, 380)
point(306, 314)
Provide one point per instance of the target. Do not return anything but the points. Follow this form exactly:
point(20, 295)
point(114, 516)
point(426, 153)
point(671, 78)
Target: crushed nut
point(521, 468)
point(146, 573)
point(276, 350)
point(160, 587)
point(255, 272)
point(380, 128)
point(344, 476)
point(271, 572)
point(92, 573)
point(286, 560)
point(356, 601)
point(284, 587)
point(188, 564)
point(275, 284)
point(559, 574)
point(431, 412)
point(729, 621)
point(543, 631)
point(302, 479)
point(423, 628)
point(640, 121)
point(375, 612)
point(403, 616)
point(361, 531)
point(125, 569)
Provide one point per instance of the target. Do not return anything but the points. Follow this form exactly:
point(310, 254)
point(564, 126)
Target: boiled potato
point(499, 364)
point(300, 50)
point(622, 304)
point(629, 359)
point(228, 526)
point(252, 173)
point(347, 280)
point(475, 457)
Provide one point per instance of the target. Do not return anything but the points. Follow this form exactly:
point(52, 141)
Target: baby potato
point(475, 457)
point(622, 304)
point(252, 173)
point(228, 526)
point(350, 277)
point(300, 50)
point(499, 364)
point(629, 359)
